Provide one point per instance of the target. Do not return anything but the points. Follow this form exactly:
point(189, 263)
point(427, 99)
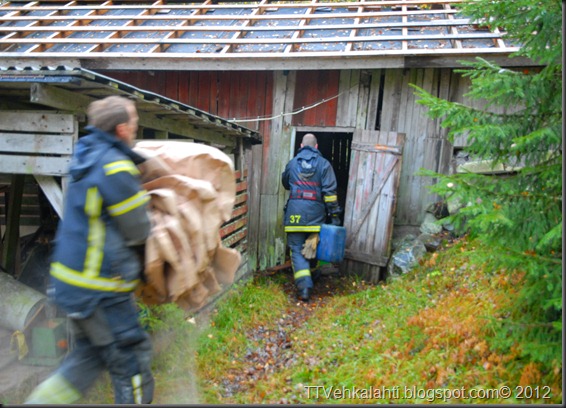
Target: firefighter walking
point(312, 184)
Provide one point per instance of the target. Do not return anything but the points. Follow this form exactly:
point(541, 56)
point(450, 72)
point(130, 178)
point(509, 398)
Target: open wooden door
point(375, 167)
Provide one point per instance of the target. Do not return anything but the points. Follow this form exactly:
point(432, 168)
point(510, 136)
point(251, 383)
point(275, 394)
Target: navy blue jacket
point(105, 217)
point(312, 183)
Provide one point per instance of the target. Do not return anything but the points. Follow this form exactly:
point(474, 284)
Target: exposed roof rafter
point(206, 32)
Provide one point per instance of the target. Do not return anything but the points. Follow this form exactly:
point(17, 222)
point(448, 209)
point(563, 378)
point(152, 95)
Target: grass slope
point(425, 337)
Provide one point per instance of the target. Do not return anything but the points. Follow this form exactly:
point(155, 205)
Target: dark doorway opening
point(334, 147)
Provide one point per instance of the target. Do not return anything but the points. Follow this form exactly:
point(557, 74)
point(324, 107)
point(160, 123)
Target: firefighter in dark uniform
point(96, 264)
point(312, 184)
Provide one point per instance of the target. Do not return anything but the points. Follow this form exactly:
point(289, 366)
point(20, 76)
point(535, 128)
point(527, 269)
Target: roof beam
point(451, 21)
point(250, 62)
point(299, 33)
point(354, 31)
point(453, 29)
point(173, 34)
point(61, 99)
point(247, 24)
point(318, 16)
point(209, 5)
point(112, 39)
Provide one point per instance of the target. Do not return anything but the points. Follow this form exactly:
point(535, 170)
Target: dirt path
point(277, 345)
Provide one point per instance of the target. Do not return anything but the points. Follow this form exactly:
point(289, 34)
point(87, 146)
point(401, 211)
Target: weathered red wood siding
point(313, 87)
point(234, 232)
point(228, 94)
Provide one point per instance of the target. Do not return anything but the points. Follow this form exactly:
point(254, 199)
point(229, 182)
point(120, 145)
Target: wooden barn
point(341, 70)
point(42, 115)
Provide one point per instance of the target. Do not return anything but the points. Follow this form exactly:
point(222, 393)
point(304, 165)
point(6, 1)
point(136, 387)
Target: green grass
point(429, 333)
point(174, 338)
point(429, 329)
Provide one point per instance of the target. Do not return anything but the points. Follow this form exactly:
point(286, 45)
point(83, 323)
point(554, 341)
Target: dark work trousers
point(112, 339)
point(301, 265)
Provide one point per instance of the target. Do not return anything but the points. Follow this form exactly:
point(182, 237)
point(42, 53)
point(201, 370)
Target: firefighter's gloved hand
point(335, 220)
point(309, 247)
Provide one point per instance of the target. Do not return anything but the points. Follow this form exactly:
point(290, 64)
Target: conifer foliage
point(518, 215)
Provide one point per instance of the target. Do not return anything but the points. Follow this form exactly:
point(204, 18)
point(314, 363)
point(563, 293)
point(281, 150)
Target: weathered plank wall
point(36, 142)
point(277, 150)
point(459, 86)
point(425, 145)
point(351, 99)
point(234, 232)
point(383, 100)
point(228, 94)
point(315, 87)
point(231, 95)
point(30, 212)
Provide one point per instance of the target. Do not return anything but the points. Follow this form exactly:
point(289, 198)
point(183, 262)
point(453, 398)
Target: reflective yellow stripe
point(303, 228)
point(55, 390)
point(96, 234)
point(136, 385)
point(76, 278)
point(330, 198)
point(129, 204)
point(302, 273)
point(121, 165)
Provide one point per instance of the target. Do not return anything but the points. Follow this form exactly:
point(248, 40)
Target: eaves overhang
point(73, 89)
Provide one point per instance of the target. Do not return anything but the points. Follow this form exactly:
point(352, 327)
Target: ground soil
point(16, 378)
point(275, 345)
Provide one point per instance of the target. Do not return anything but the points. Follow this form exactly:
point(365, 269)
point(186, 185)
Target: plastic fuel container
point(332, 244)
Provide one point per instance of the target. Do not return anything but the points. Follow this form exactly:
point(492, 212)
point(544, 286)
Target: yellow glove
point(309, 247)
point(18, 343)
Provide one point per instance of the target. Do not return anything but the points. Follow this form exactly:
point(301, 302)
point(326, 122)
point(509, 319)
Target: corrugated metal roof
point(200, 31)
point(72, 90)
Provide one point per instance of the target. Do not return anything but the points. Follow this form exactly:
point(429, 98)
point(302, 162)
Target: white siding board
point(39, 122)
point(36, 143)
point(52, 166)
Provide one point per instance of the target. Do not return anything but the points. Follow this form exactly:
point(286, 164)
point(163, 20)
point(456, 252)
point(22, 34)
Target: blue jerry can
point(332, 244)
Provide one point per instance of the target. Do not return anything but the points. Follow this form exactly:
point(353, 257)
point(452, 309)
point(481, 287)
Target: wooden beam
point(54, 97)
point(46, 20)
point(161, 134)
point(36, 143)
point(58, 98)
point(37, 121)
point(247, 24)
point(209, 5)
point(294, 40)
point(270, 62)
point(365, 258)
point(26, 164)
point(178, 29)
point(11, 241)
point(186, 129)
point(52, 191)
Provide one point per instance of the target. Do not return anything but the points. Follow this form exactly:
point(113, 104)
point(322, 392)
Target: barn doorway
point(334, 147)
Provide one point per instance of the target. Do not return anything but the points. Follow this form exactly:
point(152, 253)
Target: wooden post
point(11, 250)
point(161, 134)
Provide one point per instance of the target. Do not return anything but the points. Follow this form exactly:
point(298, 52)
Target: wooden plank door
point(375, 167)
